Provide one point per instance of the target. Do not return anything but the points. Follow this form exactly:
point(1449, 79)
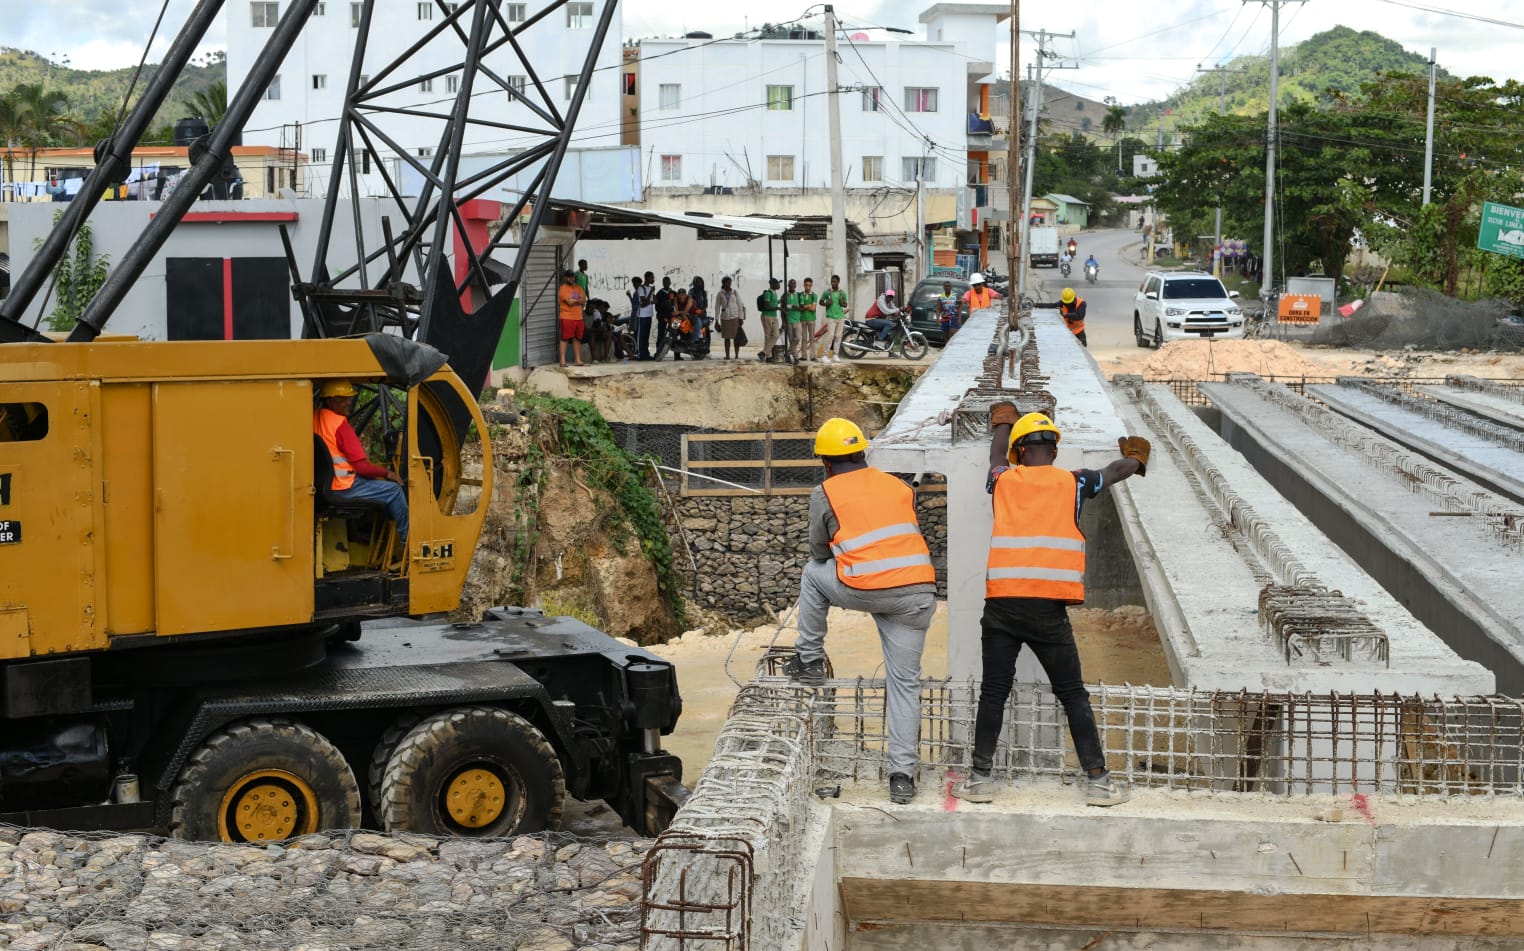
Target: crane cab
point(157, 490)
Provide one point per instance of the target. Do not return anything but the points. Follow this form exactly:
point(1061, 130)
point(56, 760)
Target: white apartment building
point(308, 93)
point(752, 112)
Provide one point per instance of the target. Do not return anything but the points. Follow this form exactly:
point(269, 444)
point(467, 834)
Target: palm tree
point(31, 116)
point(210, 103)
point(1114, 124)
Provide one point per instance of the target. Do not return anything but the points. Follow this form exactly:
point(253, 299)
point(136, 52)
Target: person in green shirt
point(828, 337)
point(791, 319)
point(808, 301)
point(582, 276)
point(767, 306)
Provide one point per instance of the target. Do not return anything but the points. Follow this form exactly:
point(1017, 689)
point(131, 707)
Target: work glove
point(1003, 414)
point(1135, 447)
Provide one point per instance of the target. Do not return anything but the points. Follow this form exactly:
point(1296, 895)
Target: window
point(426, 152)
point(516, 87)
point(319, 156)
point(20, 422)
point(452, 7)
point(356, 10)
point(272, 91)
point(364, 80)
point(320, 10)
point(579, 16)
point(873, 168)
point(319, 81)
point(671, 168)
point(263, 13)
point(780, 168)
point(920, 99)
point(1085, 124)
point(780, 98)
point(425, 11)
point(571, 88)
point(517, 12)
point(671, 95)
point(426, 85)
point(365, 162)
point(873, 98)
point(452, 83)
point(922, 168)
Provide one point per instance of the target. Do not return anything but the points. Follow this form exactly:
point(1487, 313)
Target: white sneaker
point(975, 787)
point(1102, 790)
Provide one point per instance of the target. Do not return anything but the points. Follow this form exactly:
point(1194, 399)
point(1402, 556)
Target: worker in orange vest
point(1036, 569)
point(978, 296)
point(867, 554)
point(1071, 308)
point(355, 478)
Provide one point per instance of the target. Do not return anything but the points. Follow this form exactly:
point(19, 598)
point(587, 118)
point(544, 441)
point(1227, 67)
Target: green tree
point(33, 117)
point(210, 103)
point(79, 274)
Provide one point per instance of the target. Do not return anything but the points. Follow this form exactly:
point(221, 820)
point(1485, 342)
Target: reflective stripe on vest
point(326, 423)
point(870, 554)
point(1037, 550)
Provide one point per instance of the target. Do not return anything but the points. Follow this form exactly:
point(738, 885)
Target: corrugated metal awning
point(739, 226)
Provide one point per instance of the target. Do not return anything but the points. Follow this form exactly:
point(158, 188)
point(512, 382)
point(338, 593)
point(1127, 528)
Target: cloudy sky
point(1122, 48)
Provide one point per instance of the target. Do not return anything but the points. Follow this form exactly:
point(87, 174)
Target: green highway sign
point(1502, 230)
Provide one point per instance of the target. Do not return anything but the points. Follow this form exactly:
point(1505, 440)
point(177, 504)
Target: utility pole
point(1222, 107)
point(838, 189)
point(1036, 78)
point(1428, 142)
point(1014, 249)
point(921, 267)
point(1267, 257)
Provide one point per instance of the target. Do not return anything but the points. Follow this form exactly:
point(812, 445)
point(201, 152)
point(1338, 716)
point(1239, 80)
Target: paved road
point(1108, 320)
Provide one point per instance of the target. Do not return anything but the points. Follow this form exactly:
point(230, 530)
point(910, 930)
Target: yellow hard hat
point(839, 437)
point(1068, 295)
point(332, 388)
point(1033, 427)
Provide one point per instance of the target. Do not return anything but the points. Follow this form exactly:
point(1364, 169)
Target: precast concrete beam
point(1457, 573)
point(1202, 575)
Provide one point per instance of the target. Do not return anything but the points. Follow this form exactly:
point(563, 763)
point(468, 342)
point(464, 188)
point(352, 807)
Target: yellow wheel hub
point(267, 805)
point(475, 797)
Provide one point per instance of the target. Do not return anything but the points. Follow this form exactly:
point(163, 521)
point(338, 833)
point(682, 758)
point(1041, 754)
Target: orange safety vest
point(979, 298)
point(1077, 325)
point(1037, 549)
point(878, 541)
point(326, 423)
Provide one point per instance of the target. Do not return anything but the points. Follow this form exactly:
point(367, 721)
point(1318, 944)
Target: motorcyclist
point(881, 314)
point(1092, 263)
point(1073, 248)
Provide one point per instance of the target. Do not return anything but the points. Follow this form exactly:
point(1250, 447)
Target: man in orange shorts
point(571, 301)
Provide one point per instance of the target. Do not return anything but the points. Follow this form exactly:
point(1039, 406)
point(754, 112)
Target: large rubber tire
point(852, 348)
point(1137, 331)
point(496, 760)
point(915, 346)
point(661, 350)
point(260, 780)
point(385, 747)
point(1158, 334)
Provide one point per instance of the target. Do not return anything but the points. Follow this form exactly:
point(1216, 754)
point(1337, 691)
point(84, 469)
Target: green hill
point(95, 96)
point(1339, 59)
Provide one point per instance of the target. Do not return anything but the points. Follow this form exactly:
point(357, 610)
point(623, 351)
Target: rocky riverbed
point(334, 891)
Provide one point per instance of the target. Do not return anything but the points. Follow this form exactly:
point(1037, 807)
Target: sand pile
point(1199, 359)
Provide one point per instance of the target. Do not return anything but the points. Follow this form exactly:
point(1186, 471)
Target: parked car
point(1180, 305)
point(923, 312)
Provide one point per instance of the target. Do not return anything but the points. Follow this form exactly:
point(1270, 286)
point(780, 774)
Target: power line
point(1455, 13)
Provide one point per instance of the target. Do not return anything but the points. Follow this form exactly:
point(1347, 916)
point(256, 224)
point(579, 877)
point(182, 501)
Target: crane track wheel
point(472, 771)
point(263, 780)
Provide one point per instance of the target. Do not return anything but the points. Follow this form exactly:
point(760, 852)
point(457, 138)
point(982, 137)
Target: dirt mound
point(1200, 359)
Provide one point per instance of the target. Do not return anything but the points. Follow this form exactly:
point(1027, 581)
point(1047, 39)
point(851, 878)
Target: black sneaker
point(810, 674)
point(901, 788)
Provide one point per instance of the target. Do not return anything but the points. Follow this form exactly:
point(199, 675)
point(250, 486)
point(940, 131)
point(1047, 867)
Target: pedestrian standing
point(767, 306)
point(791, 319)
point(867, 554)
point(584, 279)
point(731, 311)
point(828, 337)
point(571, 304)
point(642, 310)
point(1036, 569)
point(807, 304)
point(665, 302)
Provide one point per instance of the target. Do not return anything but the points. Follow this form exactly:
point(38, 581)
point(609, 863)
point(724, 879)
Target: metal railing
point(738, 464)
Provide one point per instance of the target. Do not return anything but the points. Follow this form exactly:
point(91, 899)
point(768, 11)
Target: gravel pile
point(334, 891)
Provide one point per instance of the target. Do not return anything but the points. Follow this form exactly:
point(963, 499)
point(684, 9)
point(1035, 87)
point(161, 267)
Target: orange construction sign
point(1300, 308)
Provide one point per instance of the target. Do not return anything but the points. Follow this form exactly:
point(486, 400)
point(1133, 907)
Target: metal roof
point(1066, 199)
point(737, 226)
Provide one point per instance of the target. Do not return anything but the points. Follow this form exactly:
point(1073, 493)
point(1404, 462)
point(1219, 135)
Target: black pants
point(643, 337)
point(1081, 338)
point(1042, 626)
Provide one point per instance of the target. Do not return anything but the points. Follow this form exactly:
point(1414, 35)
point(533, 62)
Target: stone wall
point(749, 550)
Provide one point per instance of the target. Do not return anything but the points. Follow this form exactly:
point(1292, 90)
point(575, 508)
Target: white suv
point(1178, 305)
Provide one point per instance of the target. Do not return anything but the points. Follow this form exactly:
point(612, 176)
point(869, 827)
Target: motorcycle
point(624, 337)
point(1092, 272)
point(1064, 266)
point(679, 341)
point(858, 340)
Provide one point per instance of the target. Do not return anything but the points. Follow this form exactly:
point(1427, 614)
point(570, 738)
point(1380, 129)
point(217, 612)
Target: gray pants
point(902, 618)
